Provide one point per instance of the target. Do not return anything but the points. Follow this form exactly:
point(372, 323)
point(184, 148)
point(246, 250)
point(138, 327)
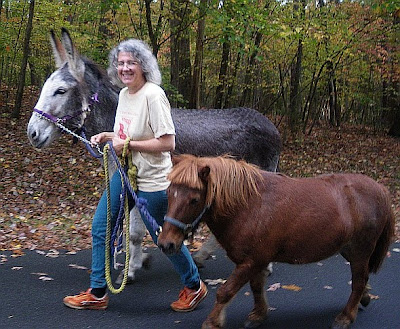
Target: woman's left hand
point(118, 145)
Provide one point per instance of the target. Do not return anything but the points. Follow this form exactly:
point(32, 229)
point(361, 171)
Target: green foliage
point(359, 39)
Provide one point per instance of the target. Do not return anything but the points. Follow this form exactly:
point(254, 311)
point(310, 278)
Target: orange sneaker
point(86, 301)
point(189, 298)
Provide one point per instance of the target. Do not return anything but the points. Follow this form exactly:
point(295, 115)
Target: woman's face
point(130, 72)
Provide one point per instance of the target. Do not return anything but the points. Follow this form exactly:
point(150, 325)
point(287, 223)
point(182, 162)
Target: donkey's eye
point(60, 91)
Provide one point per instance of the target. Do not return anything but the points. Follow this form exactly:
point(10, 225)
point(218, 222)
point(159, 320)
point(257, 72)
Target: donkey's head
point(64, 97)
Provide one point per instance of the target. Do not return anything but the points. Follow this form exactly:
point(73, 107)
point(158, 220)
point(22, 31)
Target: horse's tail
point(385, 239)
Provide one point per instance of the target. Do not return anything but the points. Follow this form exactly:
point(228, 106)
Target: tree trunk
point(228, 99)
point(334, 114)
point(295, 96)
point(223, 71)
point(249, 77)
point(154, 35)
point(180, 51)
point(21, 83)
point(198, 60)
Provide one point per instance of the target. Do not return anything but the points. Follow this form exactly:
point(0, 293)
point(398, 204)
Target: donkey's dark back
point(241, 132)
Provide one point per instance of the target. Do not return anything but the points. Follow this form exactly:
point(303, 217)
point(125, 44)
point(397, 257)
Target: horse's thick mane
point(230, 183)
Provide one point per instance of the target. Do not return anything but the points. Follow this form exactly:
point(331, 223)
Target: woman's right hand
point(102, 138)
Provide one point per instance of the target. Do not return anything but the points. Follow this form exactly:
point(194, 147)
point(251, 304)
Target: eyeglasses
point(129, 64)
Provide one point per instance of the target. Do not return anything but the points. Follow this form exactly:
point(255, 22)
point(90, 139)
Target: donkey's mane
point(230, 183)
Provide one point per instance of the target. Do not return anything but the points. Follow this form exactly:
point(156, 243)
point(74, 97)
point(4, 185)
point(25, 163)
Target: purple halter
point(93, 99)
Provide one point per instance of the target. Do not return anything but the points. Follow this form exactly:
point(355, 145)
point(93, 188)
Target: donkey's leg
point(259, 312)
point(205, 251)
point(137, 230)
point(359, 275)
point(240, 275)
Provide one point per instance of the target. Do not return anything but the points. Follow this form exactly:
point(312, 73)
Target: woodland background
point(325, 72)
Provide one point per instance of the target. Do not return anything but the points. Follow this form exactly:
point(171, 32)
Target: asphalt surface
point(32, 288)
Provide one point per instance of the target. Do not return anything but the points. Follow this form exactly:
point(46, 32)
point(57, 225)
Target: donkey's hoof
point(146, 261)
point(365, 300)
point(120, 278)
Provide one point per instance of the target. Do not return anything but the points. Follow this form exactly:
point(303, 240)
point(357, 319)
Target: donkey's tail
point(384, 241)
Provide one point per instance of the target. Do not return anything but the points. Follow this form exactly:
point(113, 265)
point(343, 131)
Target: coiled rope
point(132, 172)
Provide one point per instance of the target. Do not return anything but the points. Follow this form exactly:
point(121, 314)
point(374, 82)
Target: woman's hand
point(118, 145)
point(102, 138)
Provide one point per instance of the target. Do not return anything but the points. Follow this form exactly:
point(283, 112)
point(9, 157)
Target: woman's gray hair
point(141, 52)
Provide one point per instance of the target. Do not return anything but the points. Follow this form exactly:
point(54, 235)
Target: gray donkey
point(80, 95)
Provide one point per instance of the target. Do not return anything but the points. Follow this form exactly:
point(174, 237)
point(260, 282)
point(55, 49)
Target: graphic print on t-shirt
point(124, 127)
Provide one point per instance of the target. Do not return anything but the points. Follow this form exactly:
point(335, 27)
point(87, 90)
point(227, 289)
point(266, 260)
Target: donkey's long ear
point(75, 63)
point(59, 53)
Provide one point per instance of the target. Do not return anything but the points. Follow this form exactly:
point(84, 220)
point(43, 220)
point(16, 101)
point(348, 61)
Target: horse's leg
point(366, 298)
point(359, 275)
point(240, 275)
point(208, 248)
point(259, 312)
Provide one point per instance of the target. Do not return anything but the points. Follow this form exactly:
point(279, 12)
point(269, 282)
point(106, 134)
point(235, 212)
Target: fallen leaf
point(45, 278)
point(17, 268)
point(39, 274)
point(214, 282)
point(274, 287)
point(77, 267)
point(374, 296)
point(291, 287)
point(328, 287)
point(396, 249)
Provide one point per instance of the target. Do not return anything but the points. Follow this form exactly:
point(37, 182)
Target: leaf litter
point(49, 196)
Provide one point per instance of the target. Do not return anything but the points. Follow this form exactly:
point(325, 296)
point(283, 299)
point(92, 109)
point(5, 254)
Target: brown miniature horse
point(260, 217)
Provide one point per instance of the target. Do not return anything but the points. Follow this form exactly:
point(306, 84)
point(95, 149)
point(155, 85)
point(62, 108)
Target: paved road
point(29, 299)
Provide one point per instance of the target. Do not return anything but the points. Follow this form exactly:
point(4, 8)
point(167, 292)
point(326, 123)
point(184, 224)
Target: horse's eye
point(60, 91)
point(194, 201)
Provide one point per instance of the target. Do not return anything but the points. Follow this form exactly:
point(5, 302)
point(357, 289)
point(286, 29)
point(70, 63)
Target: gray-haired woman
point(144, 115)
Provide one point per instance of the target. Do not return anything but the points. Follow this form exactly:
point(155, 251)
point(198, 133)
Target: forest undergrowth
point(48, 197)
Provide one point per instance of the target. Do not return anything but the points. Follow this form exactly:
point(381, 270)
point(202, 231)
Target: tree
point(181, 69)
point(198, 60)
point(21, 82)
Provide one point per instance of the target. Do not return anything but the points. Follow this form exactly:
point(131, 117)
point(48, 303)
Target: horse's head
point(64, 97)
point(186, 202)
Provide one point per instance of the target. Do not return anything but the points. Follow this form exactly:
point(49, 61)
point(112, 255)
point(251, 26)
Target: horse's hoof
point(208, 325)
point(340, 325)
point(365, 300)
point(147, 260)
point(252, 324)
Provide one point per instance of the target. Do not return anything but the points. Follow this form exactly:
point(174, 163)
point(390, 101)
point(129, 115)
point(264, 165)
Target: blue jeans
point(157, 204)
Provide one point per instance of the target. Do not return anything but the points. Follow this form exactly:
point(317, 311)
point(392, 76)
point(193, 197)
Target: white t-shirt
point(141, 116)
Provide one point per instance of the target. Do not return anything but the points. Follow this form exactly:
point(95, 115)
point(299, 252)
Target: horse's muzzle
point(169, 248)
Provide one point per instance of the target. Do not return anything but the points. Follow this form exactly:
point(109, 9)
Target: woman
point(144, 115)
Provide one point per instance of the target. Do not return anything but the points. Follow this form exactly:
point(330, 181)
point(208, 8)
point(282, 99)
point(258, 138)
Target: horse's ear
point(59, 52)
point(75, 63)
point(176, 158)
point(204, 173)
